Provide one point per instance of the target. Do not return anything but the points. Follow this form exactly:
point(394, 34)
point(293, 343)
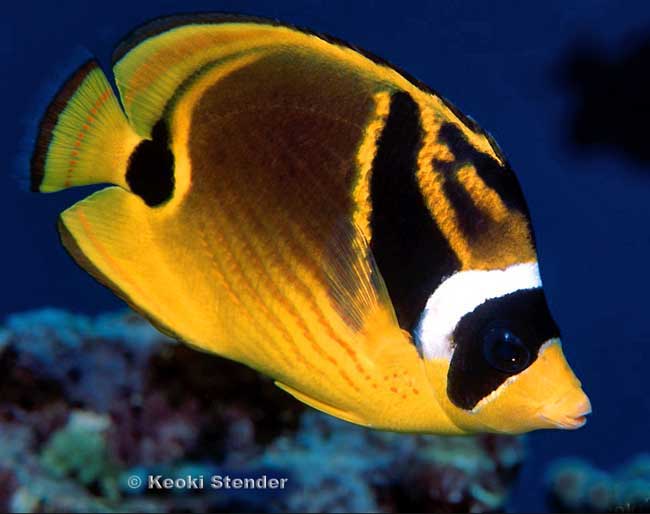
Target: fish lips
point(569, 412)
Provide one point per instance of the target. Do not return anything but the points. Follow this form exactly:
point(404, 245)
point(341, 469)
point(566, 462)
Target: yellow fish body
point(288, 202)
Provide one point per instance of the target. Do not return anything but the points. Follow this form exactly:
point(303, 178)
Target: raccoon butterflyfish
point(289, 202)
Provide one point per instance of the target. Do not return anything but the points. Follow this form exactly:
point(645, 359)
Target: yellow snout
point(568, 405)
point(545, 395)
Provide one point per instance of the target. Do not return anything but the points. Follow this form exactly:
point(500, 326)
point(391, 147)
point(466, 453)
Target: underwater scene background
point(91, 395)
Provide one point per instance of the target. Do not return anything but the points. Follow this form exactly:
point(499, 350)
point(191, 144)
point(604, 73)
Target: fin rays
point(84, 137)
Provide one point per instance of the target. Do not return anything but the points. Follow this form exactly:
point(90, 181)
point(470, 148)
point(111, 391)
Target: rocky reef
point(102, 414)
point(575, 485)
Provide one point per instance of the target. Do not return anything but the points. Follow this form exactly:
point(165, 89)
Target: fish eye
point(504, 351)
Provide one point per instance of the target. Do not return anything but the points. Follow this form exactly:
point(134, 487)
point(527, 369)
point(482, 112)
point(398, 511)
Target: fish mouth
point(569, 412)
point(567, 423)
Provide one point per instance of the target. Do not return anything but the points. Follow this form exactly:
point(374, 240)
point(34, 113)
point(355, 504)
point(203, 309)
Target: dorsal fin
point(149, 74)
point(160, 57)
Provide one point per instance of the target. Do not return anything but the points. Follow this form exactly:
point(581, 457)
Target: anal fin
point(115, 237)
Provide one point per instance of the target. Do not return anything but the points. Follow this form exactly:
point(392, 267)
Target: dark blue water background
point(495, 60)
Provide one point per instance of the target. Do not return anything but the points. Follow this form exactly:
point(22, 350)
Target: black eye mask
point(498, 339)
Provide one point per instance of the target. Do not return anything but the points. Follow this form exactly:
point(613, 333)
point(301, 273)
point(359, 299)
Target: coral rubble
point(102, 414)
point(574, 485)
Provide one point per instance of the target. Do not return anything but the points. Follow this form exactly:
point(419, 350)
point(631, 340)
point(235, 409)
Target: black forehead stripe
point(472, 220)
point(525, 313)
point(499, 178)
point(409, 248)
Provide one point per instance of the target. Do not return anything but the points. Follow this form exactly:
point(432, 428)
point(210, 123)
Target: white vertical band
point(460, 294)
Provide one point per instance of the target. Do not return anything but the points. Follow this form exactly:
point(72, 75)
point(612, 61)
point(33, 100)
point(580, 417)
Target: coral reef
point(102, 414)
point(392, 472)
point(574, 485)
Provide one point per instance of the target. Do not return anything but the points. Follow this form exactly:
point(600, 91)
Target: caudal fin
point(84, 137)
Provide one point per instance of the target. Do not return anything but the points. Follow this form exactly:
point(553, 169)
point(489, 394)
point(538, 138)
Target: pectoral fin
point(322, 406)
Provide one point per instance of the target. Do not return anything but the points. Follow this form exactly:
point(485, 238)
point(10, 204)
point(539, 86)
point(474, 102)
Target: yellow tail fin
point(84, 137)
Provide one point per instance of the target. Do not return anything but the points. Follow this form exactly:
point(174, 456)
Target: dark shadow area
point(609, 89)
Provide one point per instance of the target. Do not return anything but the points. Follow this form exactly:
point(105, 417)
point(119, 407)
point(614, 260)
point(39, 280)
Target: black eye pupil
point(505, 351)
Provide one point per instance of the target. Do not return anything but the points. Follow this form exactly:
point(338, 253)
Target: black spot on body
point(150, 173)
point(409, 248)
point(471, 377)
